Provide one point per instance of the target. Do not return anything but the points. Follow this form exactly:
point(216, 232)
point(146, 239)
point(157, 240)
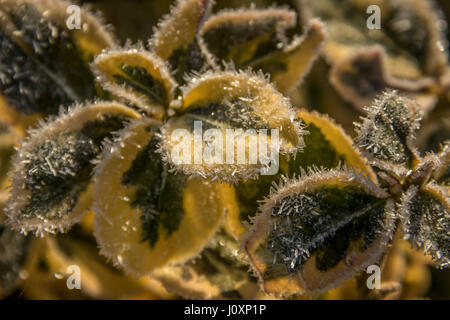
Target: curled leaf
point(410, 33)
point(387, 133)
point(425, 215)
point(51, 176)
point(175, 39)
point(244, 36)
point(256, 38)
point(138, 76)
point(246, 124)
point(290, 65)
point(360, 77)
point(147, 217)
point(317, 231)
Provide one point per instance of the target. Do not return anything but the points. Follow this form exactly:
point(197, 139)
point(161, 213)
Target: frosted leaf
point(137, 76)
point(289, 66)
point(44, 65)
point(243, 36)
point(52, 169)
point(387, 133)
point(425, 215)
point(257, 38)
point(148, 217)
point(244, 111)
point(326, 146)
point(318, 230)
point(442, 171)
point(175, 38)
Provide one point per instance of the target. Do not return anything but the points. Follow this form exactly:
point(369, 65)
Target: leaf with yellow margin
point(146, 216)
point(46, 63)
point(316, 231)
point(175, 38)
point(239, 111)
point(138, 76)
point(52, 170)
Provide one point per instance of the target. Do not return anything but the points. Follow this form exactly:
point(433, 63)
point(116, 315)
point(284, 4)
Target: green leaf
point(316, 231)
point(387, 133)
point(137, 76)
point(44, 65)
point(425, 215)
point(148, 217)
point(327, 145)
point(51, 173)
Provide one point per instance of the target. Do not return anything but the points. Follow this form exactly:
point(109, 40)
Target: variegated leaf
point(146, 216)
point(290, 65)
point(360, 77)
point(243, 36)
point(51, 173)
point(256, 38)
point(93, 35)
point(175, 38)
point(410, 31)
point(224, 117)
point(314, 232)
point(326, 146)
point(43, 64)
point(387, 133)
point(98, 279)
point(425, 214)
point(137, 76)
